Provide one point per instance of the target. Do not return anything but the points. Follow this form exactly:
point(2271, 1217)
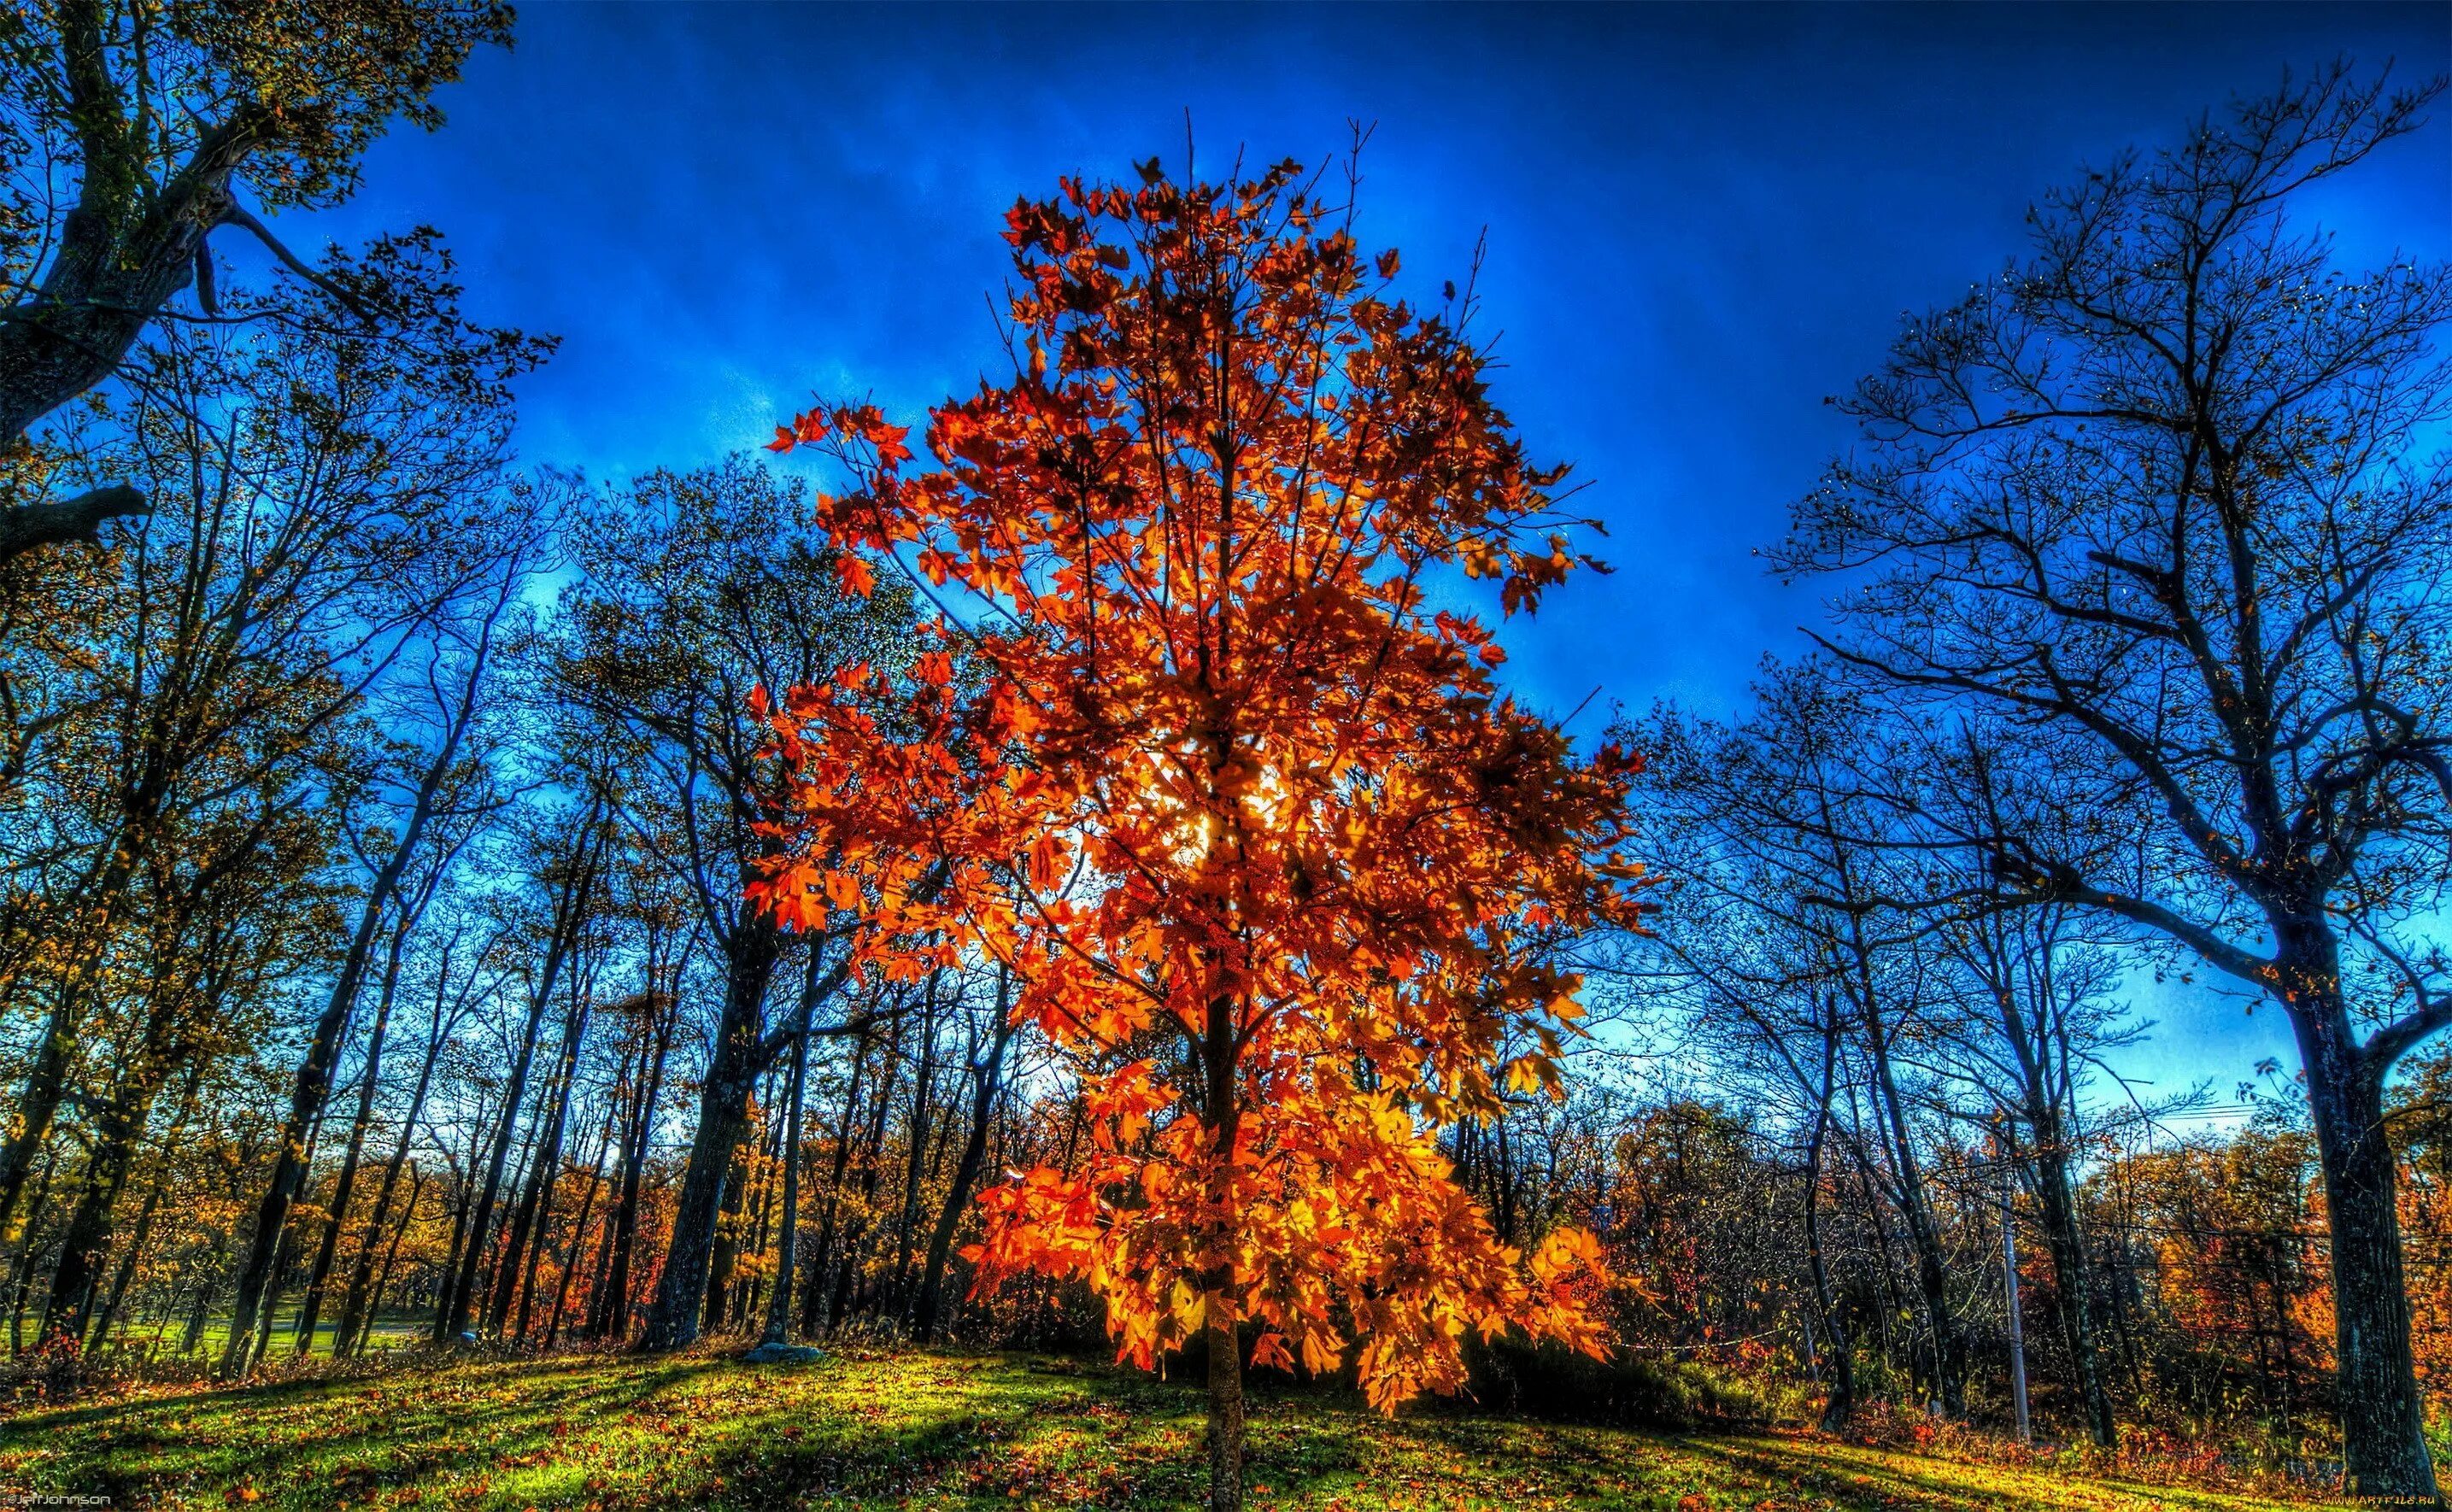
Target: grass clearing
point(929, 1430)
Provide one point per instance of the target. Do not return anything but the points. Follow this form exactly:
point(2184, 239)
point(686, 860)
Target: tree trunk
point(314, 1078)
point(85, 1244)
point(778, 1301)
point(47, 1079)
point(612, 1312)
point(1841, 1404)
point(2383, 1438)
point(578, 1235)
point(906, 1222)
point(2072, 1274)
point(1932, 1270)
point(816, 1314)
point(543, 1171)
point(723, 1118)
point(382, 1280)
point(452, 1319)
point(143, 1234)
point(28, 1247)
point(1222, 1110)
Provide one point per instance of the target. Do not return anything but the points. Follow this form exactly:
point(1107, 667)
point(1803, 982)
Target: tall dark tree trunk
point(817, 1312)
point(151, 1207)
point(2072, 1272)
point(787, 1244)
point(30, 1248)
point(578, 1236)
point(726, 1252)
point(516, 1268)
point(906, 1222)
point(536, 1248)
point(313, 1081)
point(1949, 1344)
point(722, 1119)
point(1221, 1113)
point(463, 1203)
point(314, 1078)
point(85, 1244)
point(2382, 1416)
point(382, 1279)
point(28, 1132)
point(1841, 1404)
point(137, 1240)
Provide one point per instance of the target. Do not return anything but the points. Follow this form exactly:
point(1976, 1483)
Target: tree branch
point(59, 522)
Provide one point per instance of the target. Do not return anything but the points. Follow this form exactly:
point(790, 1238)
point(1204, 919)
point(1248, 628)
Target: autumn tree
point(131, 130)
point(324, 499)
point(1195, 757)
point(2158, 498)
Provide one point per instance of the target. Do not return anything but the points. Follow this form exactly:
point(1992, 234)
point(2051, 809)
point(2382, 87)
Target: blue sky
point(1701, 221)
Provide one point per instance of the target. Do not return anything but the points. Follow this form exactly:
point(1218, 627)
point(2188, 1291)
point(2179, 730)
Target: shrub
point(1544, 1381)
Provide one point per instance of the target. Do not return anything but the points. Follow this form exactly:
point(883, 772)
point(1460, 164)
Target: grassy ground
point(924, 1430)
point(390, 1330)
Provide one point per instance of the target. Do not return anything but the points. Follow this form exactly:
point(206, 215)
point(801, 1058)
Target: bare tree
point(2152, 499)
point(1783, 833)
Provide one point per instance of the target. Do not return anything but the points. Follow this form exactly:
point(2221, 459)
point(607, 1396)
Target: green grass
point(391, 1331)
point(925, 1430)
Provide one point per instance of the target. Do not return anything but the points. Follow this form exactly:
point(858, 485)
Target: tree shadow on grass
point(311, 1443)
point(995, 1432)
point(636, 1433)
point(206, 1395)
point(1010, 1435)
point(1892, 1479)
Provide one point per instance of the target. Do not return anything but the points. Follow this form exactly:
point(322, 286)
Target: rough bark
point(724, 1118)
point(2383, 1415)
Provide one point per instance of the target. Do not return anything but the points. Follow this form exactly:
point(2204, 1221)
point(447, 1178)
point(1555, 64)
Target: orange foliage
point(1191, 752)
